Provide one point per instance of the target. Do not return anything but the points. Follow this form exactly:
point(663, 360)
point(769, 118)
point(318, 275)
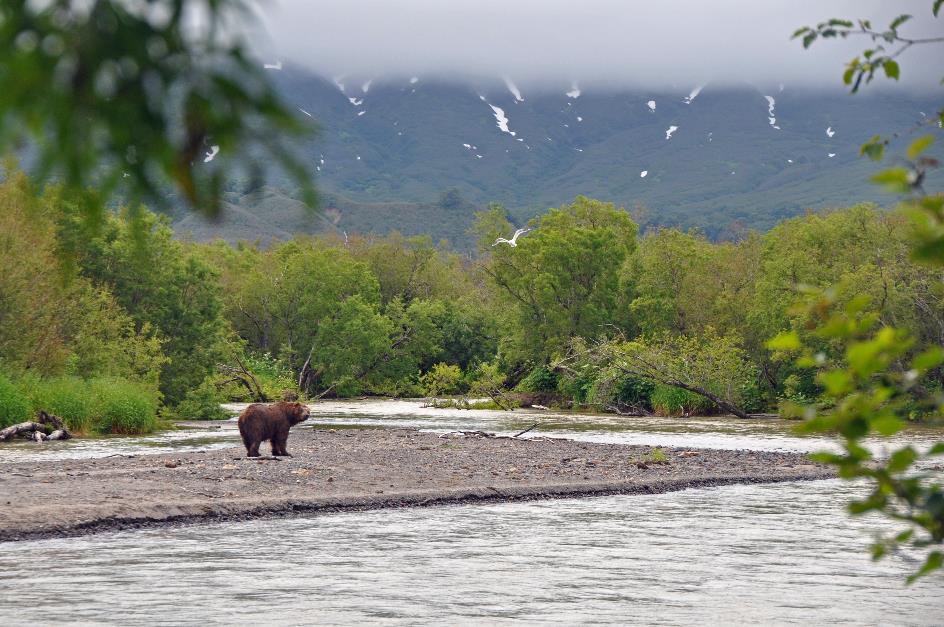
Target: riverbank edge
point(203, 513)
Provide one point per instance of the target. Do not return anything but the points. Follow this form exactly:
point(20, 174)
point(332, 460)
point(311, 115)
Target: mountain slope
point(389, 150)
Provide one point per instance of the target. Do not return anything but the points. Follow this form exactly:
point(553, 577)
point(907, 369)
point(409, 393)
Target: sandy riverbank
point(354, 469)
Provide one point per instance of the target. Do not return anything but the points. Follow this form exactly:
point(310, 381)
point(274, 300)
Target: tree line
point(584, 312)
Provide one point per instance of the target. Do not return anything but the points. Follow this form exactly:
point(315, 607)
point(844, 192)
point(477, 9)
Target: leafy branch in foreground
point(134, 97)
point(879, 381)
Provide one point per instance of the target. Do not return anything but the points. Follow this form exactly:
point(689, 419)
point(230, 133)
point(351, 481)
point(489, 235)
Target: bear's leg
point(279, 440)
point(253, 449)
point(247, 442)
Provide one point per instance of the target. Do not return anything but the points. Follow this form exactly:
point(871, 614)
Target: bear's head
point(297, 413)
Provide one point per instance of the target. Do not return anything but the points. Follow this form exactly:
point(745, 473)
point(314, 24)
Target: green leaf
point(848, 74)
point(937, 449)
point(919, 145)
point(799, 32)
point(935, 561)
point(901, 460)
point(787, 341)
point(904, 536)
point(931, 358)
point(893, 179)
point(874, 148)
point(898, 21)
point(891, 69)
point(936, 7)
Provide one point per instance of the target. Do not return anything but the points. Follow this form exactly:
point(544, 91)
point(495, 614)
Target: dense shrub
point(672, 401)
point(442, 379)
point(124, 407)
point(14, 403)
point(203, 403)
point(539, 379)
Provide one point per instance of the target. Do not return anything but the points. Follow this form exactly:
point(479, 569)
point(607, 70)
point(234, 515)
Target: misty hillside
point(422, 156)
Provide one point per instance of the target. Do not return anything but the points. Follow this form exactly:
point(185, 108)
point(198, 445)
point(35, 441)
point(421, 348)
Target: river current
point(768, 554)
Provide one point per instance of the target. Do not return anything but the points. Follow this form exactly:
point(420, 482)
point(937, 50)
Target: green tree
point(563, 279)
point(132, 97)
point(164, 289)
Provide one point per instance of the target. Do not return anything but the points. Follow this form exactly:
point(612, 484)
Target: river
point(769, 554)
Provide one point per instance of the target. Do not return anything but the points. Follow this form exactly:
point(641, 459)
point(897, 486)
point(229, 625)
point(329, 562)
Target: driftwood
point(26, 428)
point(520, 433)
point(36, 430)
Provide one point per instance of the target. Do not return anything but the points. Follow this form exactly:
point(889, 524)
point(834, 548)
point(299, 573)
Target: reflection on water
point(769, 554)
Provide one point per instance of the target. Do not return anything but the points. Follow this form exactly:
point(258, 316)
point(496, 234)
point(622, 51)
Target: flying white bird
point(513, 242)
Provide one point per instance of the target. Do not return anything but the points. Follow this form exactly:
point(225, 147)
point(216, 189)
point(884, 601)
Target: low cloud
point(619, 42)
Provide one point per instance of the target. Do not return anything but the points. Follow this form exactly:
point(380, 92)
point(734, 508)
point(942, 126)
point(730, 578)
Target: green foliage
point(168, 292)
point(874, 371)
point(202, 403)
point(672, 401)
point(124, 407)
point(657, 456)
point(118, 98)
point(68, 397)
point(14, 403)
point(540, 379)
point(563, 278)
point(273, 375)
point(708, 365)
point(442, 379)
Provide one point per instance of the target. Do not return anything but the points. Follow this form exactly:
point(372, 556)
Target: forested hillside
point(420, 156)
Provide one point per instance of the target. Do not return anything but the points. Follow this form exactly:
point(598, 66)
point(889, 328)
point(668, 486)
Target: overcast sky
point(592, 41)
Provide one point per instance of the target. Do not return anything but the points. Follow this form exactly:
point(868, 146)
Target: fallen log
point(21, 428)
point(36, 430)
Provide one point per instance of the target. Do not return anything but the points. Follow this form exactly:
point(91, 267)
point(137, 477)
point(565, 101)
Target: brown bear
point(260, 422)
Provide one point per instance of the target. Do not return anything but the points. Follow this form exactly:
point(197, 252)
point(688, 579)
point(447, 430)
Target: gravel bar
point(343, 470)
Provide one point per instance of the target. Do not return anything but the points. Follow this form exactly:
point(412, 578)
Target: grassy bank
point(100, 405)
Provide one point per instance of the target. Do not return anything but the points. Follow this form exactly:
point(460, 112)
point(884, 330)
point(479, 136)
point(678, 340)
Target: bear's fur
point(260, 422)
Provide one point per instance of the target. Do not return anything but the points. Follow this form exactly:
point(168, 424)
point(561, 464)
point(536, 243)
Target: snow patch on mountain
point(669, 131)
point(214, 150)
point(305, 112)
point(693, 94)
point(771, 116)
point(574, 91)
point(513, 89)
point(356, 101)
point(272, 66)
point(644, 174)
point(414, 80)
point(829, 131)
point(500, 118)
point(366, 86)
point(652, 105)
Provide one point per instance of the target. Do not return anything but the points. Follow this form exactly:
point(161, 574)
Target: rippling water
point(769, 554)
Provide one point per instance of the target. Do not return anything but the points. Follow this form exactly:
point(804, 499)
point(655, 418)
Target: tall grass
point(14, 403)
point(123, 407)
point(672, 401)
point(69, 398)
point(86, 405)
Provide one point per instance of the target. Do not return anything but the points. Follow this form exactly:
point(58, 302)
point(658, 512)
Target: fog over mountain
point(596, 42)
